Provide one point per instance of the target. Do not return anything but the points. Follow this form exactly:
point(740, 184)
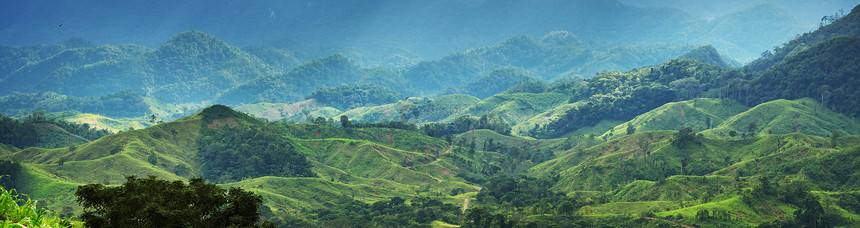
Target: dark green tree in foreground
point(152, 202)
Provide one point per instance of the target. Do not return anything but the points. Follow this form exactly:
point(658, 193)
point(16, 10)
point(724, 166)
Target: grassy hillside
point(699, 114)
point(416, 110)
point(784, 116)
point(365, 164)
point(515, 108)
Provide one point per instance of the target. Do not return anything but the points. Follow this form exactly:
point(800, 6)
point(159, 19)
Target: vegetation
point(687, 142)
point(151, 202)
point(231, 154)
point(125, 103)
point(38, 130)
point(349, 97)
point(20, 210)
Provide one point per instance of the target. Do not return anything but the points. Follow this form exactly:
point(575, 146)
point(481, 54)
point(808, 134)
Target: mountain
point(731, 32)
point(190, 67)
point(381, 28)
point(339, 163)
point(708, 54)
point(784, 116)
point(826, 72)
point(293, 85)
point(699, 114)
point(497, 81)
point(557, 54)
point(59, 68)
point(845, 25)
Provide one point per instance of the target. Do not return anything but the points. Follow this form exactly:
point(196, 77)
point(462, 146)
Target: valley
point(555, 128)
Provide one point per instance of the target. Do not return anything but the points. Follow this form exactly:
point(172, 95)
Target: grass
point(107, 123)
point(515, 108)
point(634, 208)
point(441, 224)
point(543, 118)
point(699, 114)
point(806, 116)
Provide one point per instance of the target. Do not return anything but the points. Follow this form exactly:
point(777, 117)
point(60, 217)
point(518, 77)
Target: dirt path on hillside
point(465, 204)
point(673, 222)
point(446, 151)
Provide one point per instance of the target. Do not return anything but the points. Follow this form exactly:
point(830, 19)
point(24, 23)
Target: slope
point(190, 67)
point(292, 86)
point(346, 163)
point(847, 25)
point(826, 72)
point(805, 116)
point(699, 114)
point(557, 54)
point(514, 108)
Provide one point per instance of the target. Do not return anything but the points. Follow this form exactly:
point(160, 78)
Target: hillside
point(293, 85)
point(401, 160)
point(708, 54)
point(648, 169)
point(844, 26)
point(557, 54)
point(190, 67)
point(825, 72)
point(494, 82)
point(805, 116)
point(699, 114)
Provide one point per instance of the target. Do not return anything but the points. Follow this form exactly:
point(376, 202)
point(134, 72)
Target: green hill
point(557, 54)
point(844, 26)
point(806, 116)
point(190, 67)
point(825, 72)
point(515, 108)
point(354, 163)
point(296, 83)
point(416, 110)
point(708, 54)
point(494, 82)
point(699, 114)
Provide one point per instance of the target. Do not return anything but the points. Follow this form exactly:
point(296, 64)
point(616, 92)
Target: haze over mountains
point(385, 31)
point(452, 113)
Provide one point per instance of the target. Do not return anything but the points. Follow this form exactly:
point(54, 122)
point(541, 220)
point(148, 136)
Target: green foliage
point(152, 202)
point(826, 72)
point(494, 82)
point(557, 54)
point(38, 130)
point(125, 103)
point(393, 212)
point(349, 97)
point(20, 211)
point(706, 54)
point(847, 25)
point(231, 154)
point(466, 123)
point(295, 84)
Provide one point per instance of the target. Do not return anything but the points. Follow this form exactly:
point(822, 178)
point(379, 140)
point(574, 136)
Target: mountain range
point(558, 131)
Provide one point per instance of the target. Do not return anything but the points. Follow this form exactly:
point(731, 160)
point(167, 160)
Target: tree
point(733, 133)
point(630, 129)
point(834, 136)
point(152, 159)
point(152, 202)
point(751, 128)
point(344, 121)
